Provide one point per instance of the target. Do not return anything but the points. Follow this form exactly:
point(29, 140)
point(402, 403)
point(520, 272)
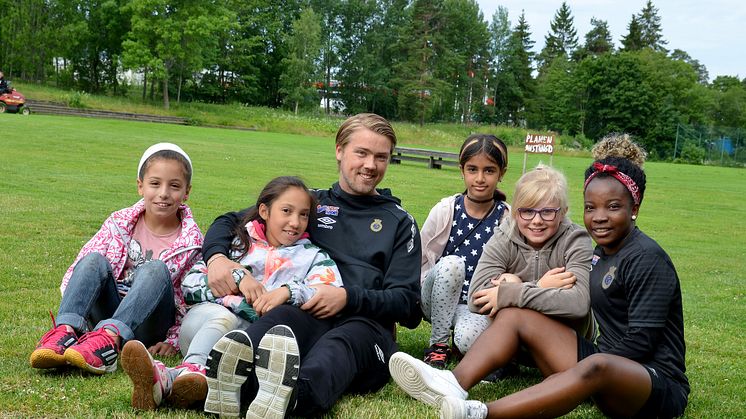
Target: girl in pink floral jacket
point(127, 279)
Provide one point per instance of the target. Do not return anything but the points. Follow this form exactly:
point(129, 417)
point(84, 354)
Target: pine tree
point(633, 41)
point(561, 40)
point(519, 68)
point(703, 76)
point(598, 40)
point(420, 46)
point(650, 25)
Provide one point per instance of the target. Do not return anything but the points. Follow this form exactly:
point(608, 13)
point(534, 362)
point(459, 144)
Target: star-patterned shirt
point(468, 237)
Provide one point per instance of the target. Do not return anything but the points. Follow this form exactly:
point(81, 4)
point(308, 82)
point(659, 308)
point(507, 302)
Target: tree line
point(416, 60)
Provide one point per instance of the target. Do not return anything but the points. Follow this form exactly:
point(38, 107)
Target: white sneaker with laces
point(423, 382)
point(453, 408)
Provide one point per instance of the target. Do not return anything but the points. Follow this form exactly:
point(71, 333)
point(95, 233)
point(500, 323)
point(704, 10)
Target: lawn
point(61, 177)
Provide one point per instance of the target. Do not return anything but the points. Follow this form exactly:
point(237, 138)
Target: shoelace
point(51, 331)
point(191, 367)
point(436, 356)
point(101, 332)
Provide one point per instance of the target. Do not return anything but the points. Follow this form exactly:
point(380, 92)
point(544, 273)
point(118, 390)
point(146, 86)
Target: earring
point(634, 217)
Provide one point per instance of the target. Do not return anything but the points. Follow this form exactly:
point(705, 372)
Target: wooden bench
point(434, 159)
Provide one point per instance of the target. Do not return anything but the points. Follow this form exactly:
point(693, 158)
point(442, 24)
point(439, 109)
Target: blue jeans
point(145, 313)
point(202, 327)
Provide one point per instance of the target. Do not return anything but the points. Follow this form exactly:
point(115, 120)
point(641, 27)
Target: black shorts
point(668, 398)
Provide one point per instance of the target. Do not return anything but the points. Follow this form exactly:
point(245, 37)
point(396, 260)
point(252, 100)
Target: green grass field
point(62, 176)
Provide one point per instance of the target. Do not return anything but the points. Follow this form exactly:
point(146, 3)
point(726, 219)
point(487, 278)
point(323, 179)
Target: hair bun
point(619, 145)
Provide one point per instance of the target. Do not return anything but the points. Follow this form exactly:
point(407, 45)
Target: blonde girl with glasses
point(540, 260)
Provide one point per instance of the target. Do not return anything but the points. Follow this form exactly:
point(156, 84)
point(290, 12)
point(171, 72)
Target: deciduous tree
point(171, 34)
point(304, 44)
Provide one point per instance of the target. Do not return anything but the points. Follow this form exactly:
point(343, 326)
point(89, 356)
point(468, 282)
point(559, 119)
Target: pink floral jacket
point(113, 239)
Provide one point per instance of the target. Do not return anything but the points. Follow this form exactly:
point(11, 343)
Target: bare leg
point(620, 387)
point(552, 344)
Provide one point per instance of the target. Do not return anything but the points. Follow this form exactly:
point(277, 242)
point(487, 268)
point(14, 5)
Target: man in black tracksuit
point(345, 335)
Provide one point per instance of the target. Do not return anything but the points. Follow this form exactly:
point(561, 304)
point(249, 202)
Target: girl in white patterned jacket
point(281, 266)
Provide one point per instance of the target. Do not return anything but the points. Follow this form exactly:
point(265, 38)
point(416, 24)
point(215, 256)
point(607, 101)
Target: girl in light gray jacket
point(540, 259)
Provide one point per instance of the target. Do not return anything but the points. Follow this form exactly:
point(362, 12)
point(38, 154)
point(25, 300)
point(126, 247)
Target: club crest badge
point(608, 278)
point(376, 225)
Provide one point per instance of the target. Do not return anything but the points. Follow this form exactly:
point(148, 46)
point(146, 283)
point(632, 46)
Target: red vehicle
point(14, 102)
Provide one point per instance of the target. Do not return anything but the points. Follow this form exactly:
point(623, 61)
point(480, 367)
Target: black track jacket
point(373, 240)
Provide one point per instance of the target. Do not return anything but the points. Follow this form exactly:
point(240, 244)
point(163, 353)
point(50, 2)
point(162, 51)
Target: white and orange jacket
point(297, 266)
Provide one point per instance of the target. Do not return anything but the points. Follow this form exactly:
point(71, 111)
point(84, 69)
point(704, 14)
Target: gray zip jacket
point(507, 251)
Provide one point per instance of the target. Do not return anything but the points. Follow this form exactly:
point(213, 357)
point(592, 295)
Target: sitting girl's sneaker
point(50, 351)
point(151, 380)
point(95, 352)
point(189, 387)
point(423, 382)
point(437, 355)
point(455, 408)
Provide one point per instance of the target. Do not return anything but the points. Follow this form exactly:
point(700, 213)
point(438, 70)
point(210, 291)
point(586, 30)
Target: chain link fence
point(720, 146)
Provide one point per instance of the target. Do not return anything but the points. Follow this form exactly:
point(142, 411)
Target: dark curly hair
point(627, 156)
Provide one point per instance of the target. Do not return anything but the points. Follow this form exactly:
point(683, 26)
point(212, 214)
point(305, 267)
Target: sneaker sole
point(188, 389)
point(46, 358)
point(405, 373)
point(228, 366)
point(77, 359)
point(138, 365)
point(277, 366)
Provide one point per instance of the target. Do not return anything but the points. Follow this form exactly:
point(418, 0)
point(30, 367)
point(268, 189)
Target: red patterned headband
point(616, 174)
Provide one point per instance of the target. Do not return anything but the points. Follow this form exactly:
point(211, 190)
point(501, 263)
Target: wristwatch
point(238, 275)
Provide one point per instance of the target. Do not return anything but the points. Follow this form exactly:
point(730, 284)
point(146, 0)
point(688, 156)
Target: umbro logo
point(327, 220)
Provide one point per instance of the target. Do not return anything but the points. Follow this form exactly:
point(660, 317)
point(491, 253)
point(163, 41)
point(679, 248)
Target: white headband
point(161, 147)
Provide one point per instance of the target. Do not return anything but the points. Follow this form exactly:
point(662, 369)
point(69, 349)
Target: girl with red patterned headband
point(635, 369)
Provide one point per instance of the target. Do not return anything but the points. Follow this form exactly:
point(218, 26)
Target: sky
point(713, 32)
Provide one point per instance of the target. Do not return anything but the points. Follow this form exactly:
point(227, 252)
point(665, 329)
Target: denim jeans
point(145, 313)
point(203, 325)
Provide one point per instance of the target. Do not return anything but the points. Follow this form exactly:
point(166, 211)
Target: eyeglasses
point(546, 214)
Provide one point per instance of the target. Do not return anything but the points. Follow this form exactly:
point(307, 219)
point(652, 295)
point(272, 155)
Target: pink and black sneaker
point(151, 380)
point(50, 351)
point(437, 355)
point(95, 352)
point(190, 386)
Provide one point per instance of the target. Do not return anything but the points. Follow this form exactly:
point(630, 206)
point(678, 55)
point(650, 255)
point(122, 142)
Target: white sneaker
point(423, 382)
point(229, 364)
point(453, 408)
point(277, 363)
